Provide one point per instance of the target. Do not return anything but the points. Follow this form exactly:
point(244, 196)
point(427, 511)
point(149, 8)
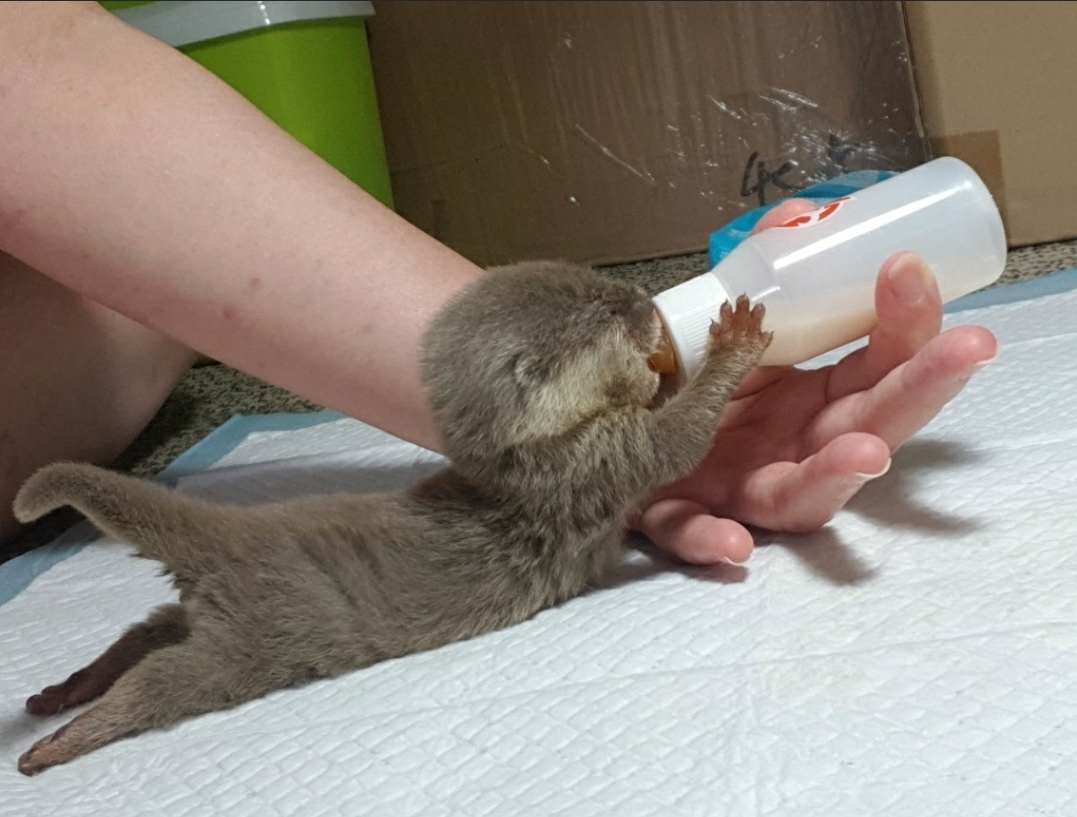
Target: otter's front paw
point(741, 328)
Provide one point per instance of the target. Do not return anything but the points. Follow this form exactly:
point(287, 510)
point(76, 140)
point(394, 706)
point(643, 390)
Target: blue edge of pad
point(17, 574)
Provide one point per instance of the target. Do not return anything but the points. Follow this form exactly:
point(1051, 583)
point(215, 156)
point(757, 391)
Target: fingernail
point(862, 477)
point(908, 279)
point(976, 367)
point(983, 364)
point(731, 563)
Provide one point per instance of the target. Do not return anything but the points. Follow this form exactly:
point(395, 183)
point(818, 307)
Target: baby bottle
point(816, 272)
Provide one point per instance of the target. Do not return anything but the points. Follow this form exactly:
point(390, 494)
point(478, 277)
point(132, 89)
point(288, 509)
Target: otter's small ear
point(528, 371)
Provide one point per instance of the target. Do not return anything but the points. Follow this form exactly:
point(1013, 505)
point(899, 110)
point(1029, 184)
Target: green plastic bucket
point(306, 65)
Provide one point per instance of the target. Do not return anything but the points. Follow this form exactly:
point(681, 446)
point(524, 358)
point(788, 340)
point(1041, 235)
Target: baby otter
point(538, 378)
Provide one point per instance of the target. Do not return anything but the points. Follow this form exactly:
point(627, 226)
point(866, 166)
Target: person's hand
point(795, 445)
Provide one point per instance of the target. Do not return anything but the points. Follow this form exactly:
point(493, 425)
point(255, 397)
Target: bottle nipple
point(663, 360)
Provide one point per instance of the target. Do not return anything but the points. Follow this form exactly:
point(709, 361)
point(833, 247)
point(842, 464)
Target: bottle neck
point(687, 312)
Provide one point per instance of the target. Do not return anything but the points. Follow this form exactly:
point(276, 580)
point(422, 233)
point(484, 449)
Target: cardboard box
point(995, 80)
point(604, 132)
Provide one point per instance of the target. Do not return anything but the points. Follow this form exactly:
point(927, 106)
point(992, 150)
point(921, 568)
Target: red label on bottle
point(815, 216)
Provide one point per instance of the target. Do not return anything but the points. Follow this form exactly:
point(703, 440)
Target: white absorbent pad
point(918, 656)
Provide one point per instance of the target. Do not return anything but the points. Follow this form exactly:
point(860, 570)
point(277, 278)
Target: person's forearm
point(135, 177)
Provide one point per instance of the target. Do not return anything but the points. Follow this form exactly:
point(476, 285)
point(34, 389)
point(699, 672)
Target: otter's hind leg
point(166, 625)
point(200, 674)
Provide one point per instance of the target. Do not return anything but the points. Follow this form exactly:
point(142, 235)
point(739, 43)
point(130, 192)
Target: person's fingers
point(907, 398)
point(908, 310)
point(804, 496)
point(687, 530)
point(785, 210)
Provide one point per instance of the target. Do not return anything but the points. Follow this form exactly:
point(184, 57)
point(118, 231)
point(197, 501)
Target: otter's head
point(532, 351)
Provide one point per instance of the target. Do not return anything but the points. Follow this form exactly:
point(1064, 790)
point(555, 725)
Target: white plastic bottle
point(816, 273)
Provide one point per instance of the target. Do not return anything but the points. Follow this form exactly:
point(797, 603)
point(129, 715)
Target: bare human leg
point(79, 381)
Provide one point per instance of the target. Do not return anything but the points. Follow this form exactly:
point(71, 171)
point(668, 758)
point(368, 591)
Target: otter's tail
point(178, 530)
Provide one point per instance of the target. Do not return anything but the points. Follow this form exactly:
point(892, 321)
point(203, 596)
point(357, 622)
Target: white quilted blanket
point(917, 657)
